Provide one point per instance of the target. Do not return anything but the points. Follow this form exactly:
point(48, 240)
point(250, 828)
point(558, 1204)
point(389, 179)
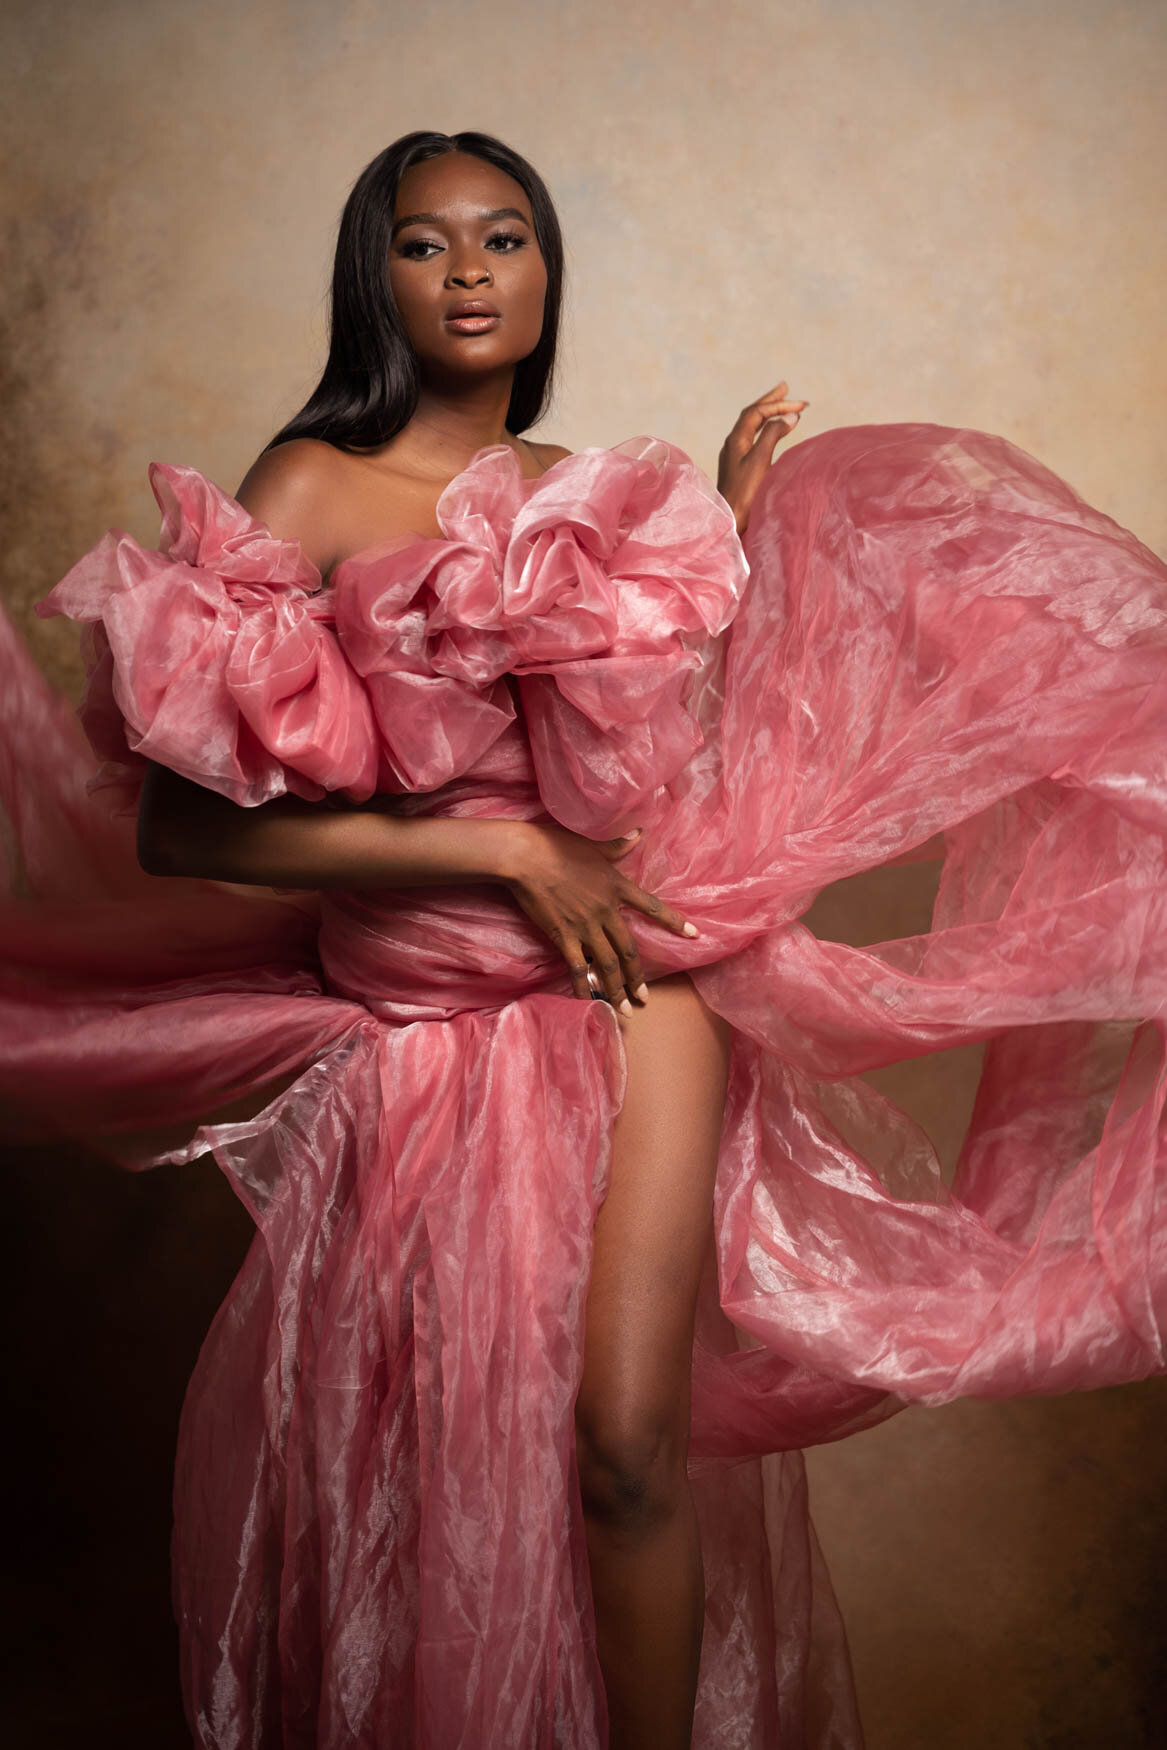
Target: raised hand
point(748, 451)
point(571, 888)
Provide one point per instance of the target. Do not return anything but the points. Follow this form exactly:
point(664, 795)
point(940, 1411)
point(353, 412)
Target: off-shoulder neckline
point(391, 542)
point(635, 446)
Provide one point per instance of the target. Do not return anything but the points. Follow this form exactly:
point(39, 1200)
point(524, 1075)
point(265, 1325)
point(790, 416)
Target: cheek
point(411, 303)
point(535, 294)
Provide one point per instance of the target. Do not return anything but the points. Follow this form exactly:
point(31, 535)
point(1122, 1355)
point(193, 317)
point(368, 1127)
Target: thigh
point(652, 1230)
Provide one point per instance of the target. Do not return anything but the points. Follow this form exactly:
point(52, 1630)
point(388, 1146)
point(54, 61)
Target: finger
point(780, 400)
point(769, 439)
point(748, 424)
point(747, 419)
point(624, 942)
point(787, 409)
point(752, 420)
point(577, 965)
point(779, 425)
point(657, 909)
point(615, 848)
point(759, 459)
point(782, 393)
point(784, 407)
point(607, 968)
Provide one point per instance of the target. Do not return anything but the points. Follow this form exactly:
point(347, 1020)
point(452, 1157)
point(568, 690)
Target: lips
point(472, 316)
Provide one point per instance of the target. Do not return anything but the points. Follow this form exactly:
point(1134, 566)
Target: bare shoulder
point(292, 474)
point(548, 453)
point(293, 489)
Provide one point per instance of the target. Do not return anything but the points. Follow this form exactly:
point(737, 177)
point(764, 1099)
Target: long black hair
point(369, 388)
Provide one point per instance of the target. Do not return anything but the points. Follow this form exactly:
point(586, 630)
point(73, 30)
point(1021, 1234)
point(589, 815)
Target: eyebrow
point(436, 219)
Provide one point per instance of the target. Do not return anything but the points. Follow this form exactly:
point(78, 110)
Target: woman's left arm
point(748, 451)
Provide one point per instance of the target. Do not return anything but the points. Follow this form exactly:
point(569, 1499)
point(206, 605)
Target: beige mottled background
point(948, 211)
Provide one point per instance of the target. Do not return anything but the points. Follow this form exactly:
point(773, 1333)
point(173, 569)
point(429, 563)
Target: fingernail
point(690, 929)
point(626, 1007)
point(635, 833)
point(641, 993)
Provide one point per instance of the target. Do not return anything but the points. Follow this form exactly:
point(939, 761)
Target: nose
point(467, 271)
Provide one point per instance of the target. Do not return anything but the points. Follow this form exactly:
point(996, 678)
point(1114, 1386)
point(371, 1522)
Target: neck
point(450, 425)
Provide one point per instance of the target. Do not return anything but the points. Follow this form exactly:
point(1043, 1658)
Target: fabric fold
point(217, 654)
point(940, 648)
point(592, 584)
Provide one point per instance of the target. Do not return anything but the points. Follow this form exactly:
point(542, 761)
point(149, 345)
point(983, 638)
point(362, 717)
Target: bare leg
point(632, 1416)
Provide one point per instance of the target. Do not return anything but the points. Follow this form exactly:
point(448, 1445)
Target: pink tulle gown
point(378, 1539)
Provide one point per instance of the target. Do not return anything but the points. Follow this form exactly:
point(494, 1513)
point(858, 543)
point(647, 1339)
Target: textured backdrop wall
point(950, 210)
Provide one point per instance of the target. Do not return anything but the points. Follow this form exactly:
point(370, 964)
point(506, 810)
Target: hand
point(569, 886)
point(748, 451)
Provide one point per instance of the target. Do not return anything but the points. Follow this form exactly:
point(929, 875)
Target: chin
point(474, 358)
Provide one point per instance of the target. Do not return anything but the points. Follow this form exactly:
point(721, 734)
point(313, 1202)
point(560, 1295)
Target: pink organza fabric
point(377, 1534)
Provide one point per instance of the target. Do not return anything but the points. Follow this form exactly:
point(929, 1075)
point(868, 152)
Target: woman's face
point(463, 234)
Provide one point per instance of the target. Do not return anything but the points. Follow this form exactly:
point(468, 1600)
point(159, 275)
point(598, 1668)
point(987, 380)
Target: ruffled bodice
point(581, 599)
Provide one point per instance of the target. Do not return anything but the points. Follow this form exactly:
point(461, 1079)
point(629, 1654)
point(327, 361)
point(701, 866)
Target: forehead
point(457, 184)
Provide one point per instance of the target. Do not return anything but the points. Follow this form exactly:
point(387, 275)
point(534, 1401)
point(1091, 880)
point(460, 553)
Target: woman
point(452, 1412)
point(474, 262)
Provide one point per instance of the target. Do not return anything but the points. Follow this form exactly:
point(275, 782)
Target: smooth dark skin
point(632, 1412)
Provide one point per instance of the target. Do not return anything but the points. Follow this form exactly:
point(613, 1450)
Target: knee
point(631, 1466)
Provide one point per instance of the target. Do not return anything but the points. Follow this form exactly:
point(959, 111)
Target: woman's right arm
point(186, 829)
point(570, 887)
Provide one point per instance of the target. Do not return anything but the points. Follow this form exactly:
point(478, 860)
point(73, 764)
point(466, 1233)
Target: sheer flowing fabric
point(377, 1527)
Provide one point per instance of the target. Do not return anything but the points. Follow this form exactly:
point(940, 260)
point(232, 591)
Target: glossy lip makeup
point(473, 316)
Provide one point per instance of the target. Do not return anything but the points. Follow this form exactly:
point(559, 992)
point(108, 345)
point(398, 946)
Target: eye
point(508, 241)
point(417, 249)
